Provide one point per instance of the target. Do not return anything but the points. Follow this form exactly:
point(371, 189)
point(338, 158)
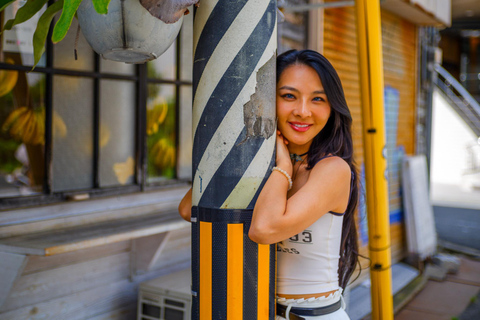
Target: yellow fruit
point(18, 128)
point(29, 132)
point(13, 117)
point(59, 126)
point(39, 135)
point(163, 154)
point(156, 114)
point(104, 135)
point(40, 139)
point(169, 157)
point(26, 125)
point(16, 121)
point(8, 79)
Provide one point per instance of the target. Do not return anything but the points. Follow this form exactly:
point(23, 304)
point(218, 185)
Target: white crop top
point(308, 262)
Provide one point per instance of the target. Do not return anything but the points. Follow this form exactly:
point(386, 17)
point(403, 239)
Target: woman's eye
point(288, 96)
point(318, 99)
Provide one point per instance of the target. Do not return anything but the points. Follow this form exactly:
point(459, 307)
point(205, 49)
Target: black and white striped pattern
point(232, 41)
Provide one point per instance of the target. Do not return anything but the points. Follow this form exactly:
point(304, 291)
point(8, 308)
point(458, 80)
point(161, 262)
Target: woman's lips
point(298, 126)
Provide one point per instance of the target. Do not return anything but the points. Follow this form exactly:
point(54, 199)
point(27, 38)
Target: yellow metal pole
point(373, 121)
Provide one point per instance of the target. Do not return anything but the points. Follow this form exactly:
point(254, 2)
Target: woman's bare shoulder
point(331, 178)
point(333, 166)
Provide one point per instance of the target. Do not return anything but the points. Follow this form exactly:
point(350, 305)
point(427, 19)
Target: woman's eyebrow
point(288, 88)
point(296, 90)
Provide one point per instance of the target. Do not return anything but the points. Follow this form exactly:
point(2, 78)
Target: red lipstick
point(300, 126)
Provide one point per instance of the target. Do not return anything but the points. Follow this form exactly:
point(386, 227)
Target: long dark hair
point(334, 139)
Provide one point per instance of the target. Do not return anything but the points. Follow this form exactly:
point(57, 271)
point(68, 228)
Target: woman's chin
point(295, 144)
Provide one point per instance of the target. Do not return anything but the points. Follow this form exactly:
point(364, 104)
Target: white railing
point(462, 102)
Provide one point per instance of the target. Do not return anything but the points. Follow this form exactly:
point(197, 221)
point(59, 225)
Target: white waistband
point(311, 302)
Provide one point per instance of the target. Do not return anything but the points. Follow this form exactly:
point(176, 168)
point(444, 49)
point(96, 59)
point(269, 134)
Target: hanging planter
point(132, 31)
point(127, 33)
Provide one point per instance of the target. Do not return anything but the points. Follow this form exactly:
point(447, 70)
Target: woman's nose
point(302, 110)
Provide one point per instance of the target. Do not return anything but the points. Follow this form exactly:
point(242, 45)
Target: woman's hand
point(283, 160)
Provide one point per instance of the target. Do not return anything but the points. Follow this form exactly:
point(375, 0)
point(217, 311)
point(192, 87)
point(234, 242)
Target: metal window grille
point(142, 81)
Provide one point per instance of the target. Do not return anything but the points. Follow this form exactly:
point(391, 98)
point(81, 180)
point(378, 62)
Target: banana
point(156, 113)
point(26, 125)
point(17, 124)
point(13, 117)
point(163, 154)
point(39, 133)
point(17, 128)
point(8, 79)
point(163, 111)
point(159, 158)
point(29, 129)
point(104, 135)
point(59, 126)
point(169, 157)
point(157, 154)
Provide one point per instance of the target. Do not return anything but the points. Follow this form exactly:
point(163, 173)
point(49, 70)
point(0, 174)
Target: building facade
point(96, 155)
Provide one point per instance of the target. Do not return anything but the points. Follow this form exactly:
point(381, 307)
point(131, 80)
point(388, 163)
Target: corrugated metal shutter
point(399, 49)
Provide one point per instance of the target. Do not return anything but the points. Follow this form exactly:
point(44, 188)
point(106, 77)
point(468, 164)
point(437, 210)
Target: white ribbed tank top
point(308, 262)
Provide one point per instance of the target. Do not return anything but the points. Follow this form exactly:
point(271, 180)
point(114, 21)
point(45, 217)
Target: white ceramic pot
point(128, 33)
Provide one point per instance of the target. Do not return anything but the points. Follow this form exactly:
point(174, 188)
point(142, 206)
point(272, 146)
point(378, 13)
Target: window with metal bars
point(90, 127)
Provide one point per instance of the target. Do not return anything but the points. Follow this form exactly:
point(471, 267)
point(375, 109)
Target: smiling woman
point(302, 106)
point(307, 205)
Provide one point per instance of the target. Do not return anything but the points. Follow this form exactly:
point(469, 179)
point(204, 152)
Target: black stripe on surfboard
point(230, 171)
point(220, 19)
point(229, 87)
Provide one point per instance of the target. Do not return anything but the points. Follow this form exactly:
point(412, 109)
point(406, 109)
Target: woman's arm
point(275, 218)
point(273, 197)
point(185, 206)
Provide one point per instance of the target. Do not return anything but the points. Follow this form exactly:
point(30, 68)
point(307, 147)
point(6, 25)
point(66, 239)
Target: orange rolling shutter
point(399, 39)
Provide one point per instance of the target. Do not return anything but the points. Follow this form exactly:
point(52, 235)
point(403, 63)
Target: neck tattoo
point(297, 157)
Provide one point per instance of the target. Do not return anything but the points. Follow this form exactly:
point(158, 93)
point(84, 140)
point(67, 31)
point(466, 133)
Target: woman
point(310, 197)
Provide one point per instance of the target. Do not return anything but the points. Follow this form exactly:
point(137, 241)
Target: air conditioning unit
point(166, 298)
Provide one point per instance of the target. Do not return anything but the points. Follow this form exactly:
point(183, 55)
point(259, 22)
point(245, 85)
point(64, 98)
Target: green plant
point(31, 7)
point(473, 299)
point(169, 11)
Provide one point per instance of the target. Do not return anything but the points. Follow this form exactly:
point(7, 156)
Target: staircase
point(457, 209)
point(461, 101)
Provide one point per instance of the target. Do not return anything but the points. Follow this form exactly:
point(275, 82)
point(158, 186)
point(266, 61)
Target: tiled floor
point(469, 273)
point(447, 299)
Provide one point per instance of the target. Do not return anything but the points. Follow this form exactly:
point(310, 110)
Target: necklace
point(297, 157)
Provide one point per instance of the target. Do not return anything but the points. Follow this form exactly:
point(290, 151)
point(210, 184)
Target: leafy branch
point(32, 7)
point(169, 11)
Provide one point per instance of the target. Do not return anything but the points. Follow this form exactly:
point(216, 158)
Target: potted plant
point(132, 31)
point(142, 37)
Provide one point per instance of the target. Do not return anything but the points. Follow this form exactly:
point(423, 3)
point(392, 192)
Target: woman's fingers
point(284, 139)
